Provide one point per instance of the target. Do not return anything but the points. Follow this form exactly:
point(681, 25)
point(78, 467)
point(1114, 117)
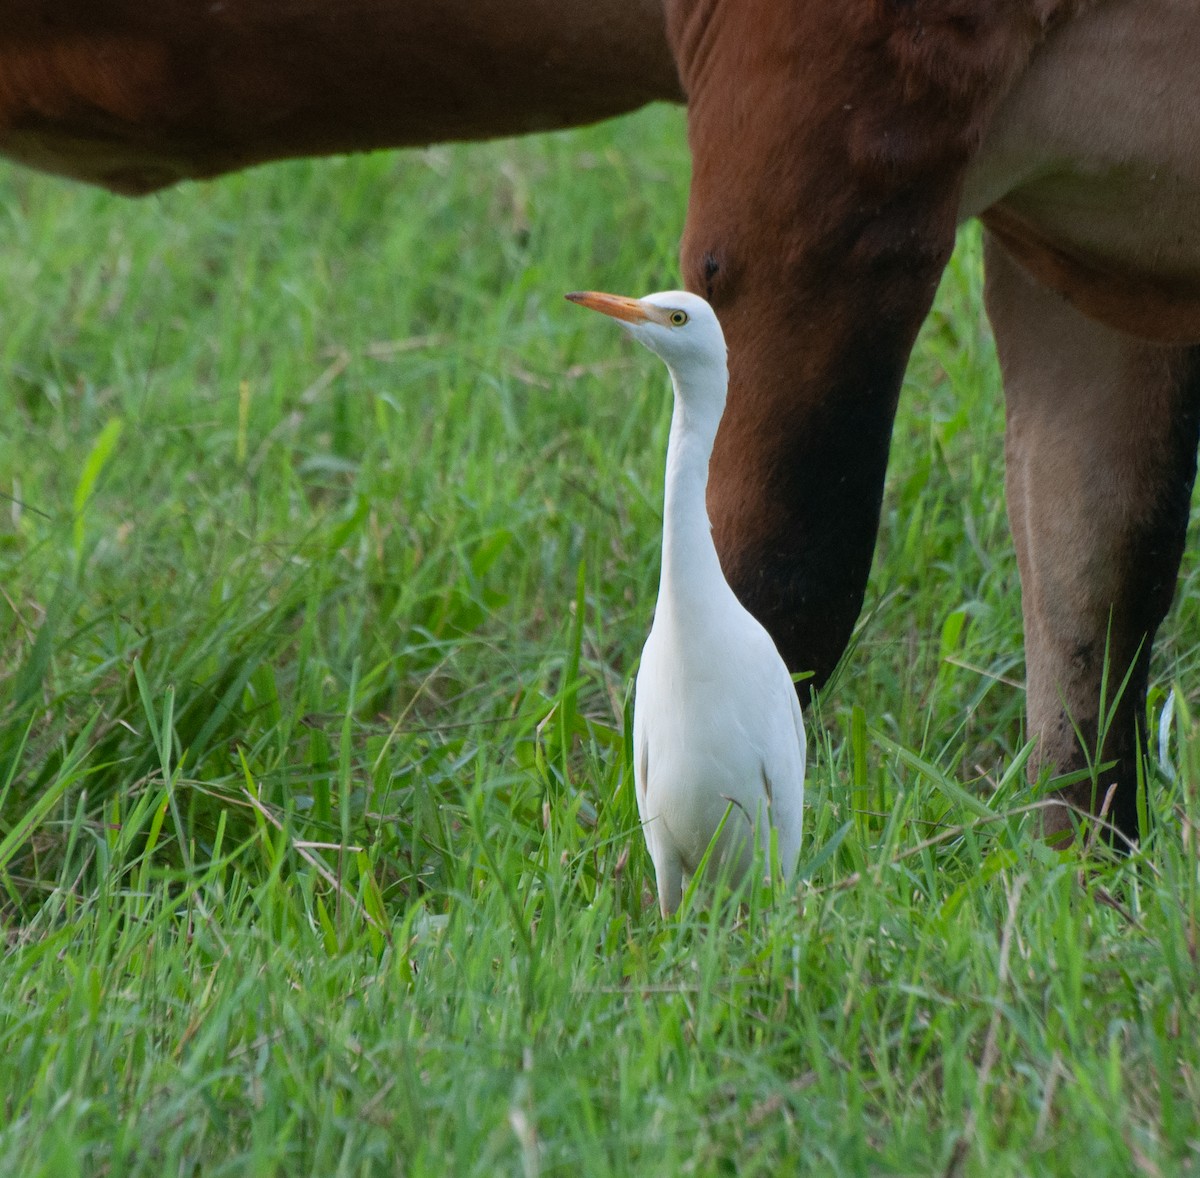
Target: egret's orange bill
point(618, 306)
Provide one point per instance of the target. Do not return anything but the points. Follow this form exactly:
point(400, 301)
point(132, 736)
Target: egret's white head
point(677, 326)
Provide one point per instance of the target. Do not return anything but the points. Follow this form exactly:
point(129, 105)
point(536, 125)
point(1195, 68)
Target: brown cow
point(836, 146)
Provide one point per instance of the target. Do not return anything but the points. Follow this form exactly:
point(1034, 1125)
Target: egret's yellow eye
point(678, 318)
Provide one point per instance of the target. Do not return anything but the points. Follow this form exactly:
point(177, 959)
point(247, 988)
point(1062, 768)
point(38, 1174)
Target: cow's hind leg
point(1101, 455)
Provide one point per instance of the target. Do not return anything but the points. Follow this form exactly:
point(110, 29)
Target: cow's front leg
point(1101, 455)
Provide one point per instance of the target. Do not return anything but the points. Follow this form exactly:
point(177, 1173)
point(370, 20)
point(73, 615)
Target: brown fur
point(1151, 306)
point(1089, 173)
point(134, 95)
point(829, 147)
point(1097, 571)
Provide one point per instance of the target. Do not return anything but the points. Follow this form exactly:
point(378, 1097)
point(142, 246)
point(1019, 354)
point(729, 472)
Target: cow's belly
point(1090, 172)
point(137, 96)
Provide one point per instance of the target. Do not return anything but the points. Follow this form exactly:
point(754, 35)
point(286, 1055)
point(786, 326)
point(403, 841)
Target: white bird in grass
point(716, 722)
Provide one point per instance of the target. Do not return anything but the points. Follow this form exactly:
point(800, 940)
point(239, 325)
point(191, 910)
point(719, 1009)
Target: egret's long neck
point(691, 573)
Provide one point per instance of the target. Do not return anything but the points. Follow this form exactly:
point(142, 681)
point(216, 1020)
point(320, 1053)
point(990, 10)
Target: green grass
point(328, 543)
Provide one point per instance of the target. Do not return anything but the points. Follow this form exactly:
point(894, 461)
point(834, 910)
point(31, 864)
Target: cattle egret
point(716, 722)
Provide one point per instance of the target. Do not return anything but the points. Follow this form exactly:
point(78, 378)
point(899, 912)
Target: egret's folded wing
point(641, 764)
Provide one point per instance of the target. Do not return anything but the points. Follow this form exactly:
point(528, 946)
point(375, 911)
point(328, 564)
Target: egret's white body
point(715, 720)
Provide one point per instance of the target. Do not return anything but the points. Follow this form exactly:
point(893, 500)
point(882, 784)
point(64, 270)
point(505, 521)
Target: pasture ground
point(328, 542)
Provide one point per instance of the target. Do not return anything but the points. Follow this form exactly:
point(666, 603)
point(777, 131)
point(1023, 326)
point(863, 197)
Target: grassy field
point(328, 542)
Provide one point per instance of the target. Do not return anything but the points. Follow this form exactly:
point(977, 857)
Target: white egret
point(716, 722)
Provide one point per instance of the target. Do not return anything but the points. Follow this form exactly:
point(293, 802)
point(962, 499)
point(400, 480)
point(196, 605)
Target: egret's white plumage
point(715, 719)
